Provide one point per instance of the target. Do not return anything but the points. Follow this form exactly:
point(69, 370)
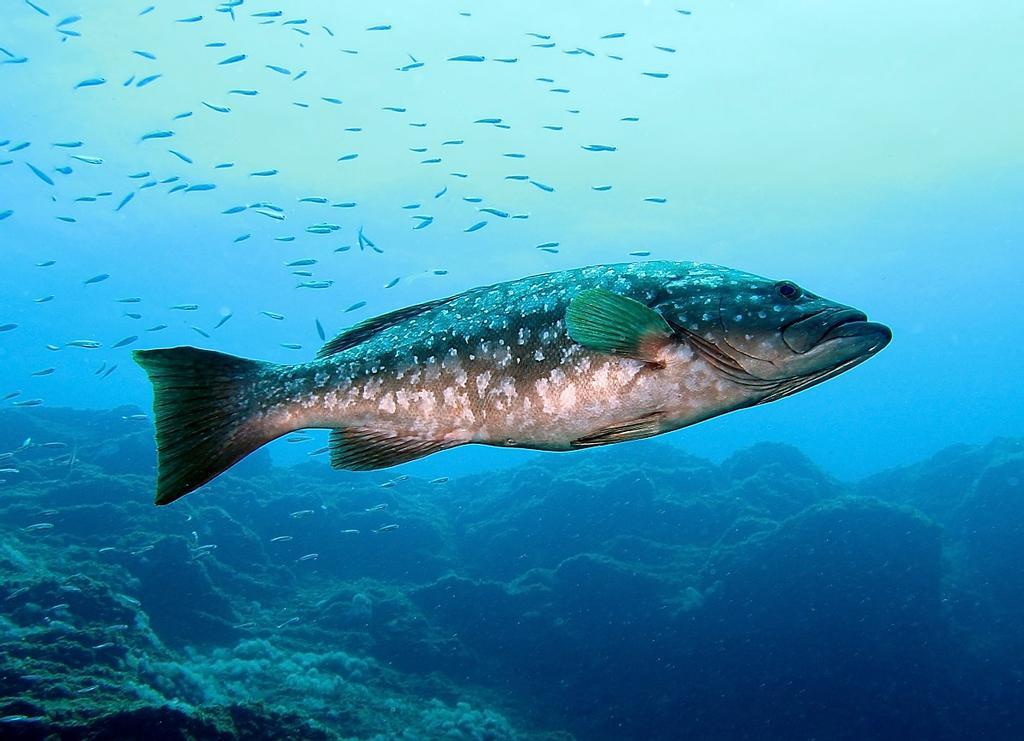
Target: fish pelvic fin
point(634, 429)
point(367, 448)
point(609, 322)
point(203, 405)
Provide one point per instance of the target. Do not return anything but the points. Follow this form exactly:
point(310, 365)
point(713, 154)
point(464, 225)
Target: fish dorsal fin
point(368, 328)
point(368, 448)
point(634, 429)
point(609, 322)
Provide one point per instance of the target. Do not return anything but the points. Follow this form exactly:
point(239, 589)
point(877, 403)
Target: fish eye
point(789, 291)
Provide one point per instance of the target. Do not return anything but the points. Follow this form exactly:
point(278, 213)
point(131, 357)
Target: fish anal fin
point(609, 322)
point(634, 429)
point(363, 331)
point(368, 448)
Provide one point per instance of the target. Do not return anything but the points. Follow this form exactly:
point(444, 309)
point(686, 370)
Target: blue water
point(868, 152)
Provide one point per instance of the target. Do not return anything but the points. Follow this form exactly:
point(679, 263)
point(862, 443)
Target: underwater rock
point(183, 604)
point(777, 480)
point(990, 521)
point(840, 601)
point(938, 485)
point(165, 722)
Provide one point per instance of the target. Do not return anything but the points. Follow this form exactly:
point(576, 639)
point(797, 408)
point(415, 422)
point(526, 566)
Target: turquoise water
point(339, 160)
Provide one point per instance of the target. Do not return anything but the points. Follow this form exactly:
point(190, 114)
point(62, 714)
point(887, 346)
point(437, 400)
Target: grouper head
point(772, 337)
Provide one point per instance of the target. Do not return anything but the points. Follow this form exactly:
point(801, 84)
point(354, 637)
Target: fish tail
point(206, 411)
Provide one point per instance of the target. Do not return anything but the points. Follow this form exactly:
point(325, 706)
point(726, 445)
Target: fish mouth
point(860, 328)
point(811, 330)
point(850, 335)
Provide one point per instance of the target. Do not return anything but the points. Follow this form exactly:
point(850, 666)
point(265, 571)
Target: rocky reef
point(627, 592)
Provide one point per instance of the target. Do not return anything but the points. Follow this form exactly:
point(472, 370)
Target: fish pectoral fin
point(369, 448)
point(634, 429)
point(609, 322)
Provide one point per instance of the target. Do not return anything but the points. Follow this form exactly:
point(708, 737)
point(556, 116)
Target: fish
point(124, 201)
point(560, 361)
point(40, 174)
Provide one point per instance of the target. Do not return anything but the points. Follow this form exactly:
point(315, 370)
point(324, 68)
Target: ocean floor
point(628, 592)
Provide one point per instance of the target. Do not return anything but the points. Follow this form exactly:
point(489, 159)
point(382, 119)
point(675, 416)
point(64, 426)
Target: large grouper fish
point(560, 361)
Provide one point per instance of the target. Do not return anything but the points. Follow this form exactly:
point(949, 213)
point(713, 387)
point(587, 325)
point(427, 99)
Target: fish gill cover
point(254, 179)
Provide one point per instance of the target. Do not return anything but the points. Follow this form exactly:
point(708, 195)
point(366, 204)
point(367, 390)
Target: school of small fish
point(319, 224)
